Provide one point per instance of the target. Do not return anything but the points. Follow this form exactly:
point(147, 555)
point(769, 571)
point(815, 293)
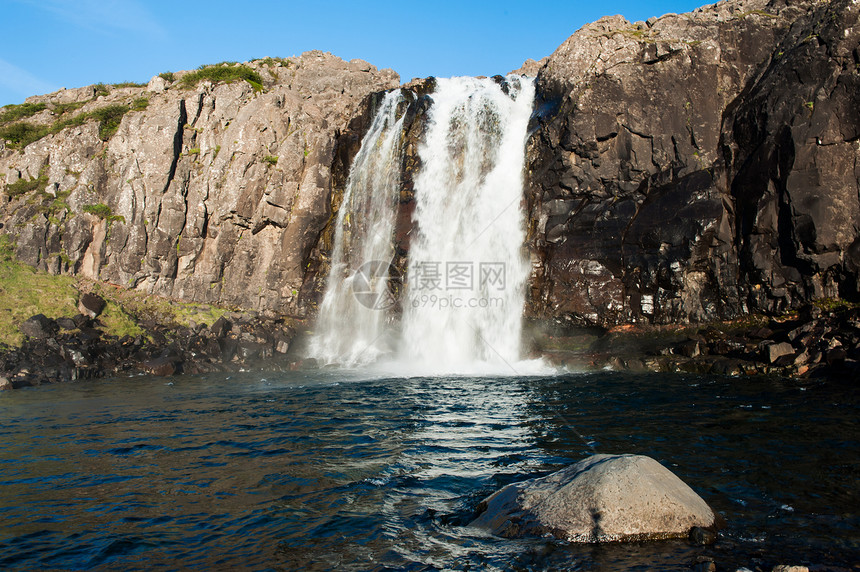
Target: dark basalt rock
point(91, 305)
point(824, 347)
point(51, 355)
point(700, 168)
point(38, 327)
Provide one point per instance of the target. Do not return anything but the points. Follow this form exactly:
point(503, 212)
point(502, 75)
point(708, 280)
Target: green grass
point(225, 72)
point(168, 76)
point(117, 322)
point(834, 304)
point(129, 84)
point(25, 292)
point(23, 186)
point(139, 104)
point(109, 117)
point(161, 310)
point(53, 206)
point(22, 134)
point(100, 210)
point(104, 212)
point(271, 159)
point(273, 62)
point(22, 111)
point(63, 108)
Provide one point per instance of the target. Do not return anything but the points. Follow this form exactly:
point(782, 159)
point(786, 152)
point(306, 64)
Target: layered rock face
point(698, 166)
point(216, 192)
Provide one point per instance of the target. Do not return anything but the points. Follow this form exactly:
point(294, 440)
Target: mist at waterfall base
point(463, 291)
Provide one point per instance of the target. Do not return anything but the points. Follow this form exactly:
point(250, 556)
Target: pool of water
point(334, 470)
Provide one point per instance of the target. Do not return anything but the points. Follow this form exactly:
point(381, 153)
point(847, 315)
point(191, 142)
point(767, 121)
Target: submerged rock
point(603, 498)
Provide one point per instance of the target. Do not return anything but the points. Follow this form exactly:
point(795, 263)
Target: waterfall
point(461, 311)
point(467, 272)
point(352, 327)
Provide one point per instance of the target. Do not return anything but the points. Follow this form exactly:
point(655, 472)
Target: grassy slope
point(25, 292)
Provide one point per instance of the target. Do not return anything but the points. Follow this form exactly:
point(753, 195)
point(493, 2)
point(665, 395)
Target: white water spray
point(352, 328)
point(467, 271)
point(462, 309)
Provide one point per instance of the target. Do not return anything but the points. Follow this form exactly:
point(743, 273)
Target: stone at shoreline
point(603, 498)
point(775, 351)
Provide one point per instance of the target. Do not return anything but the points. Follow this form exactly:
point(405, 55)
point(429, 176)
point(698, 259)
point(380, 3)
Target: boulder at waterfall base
point(603, 498)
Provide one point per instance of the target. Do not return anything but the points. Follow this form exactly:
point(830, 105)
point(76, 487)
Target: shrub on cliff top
point(225, 72)
point(22, 111)
point(22, 134)
point(109, 117)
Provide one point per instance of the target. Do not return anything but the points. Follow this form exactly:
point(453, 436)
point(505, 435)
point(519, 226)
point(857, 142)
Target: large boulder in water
point(603, 498)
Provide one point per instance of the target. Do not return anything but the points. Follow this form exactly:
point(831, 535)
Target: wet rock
point(836, 356)
point(38, 327)
point(690, 348)
point(162, 366)
point(706, 565)
point(772, 352)
point(787, 568)
point(600, 499)
point(91, 305)
point(5, 384)
point(702, 536)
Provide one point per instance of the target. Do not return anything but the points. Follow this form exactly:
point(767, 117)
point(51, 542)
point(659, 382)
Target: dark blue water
point(329, 471)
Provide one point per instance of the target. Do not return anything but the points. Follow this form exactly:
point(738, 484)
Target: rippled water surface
point(331, 470)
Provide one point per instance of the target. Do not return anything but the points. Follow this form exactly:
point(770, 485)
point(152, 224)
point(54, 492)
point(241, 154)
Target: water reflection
point(335, 470)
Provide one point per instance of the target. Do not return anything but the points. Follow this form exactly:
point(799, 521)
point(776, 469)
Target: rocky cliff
point(213, 187)
point(690, 168)
point(699, 166)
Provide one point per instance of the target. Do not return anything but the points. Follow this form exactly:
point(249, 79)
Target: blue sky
point(48, 44)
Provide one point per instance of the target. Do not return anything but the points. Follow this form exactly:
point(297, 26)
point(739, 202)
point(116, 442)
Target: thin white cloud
point(21, 82)
point(103, 16)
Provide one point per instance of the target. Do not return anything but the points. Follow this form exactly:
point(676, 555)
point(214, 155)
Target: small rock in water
point(603, 498)
point(702, 536)
point(705, 566)
point(787, 568)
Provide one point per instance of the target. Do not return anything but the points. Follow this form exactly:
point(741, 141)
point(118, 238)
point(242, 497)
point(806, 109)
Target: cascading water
point(462, 309)
point(352, 323)
point(467, 273)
